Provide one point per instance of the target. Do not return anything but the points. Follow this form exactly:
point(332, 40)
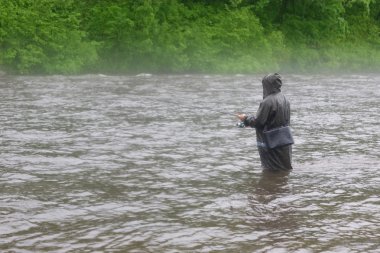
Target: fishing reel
point(240, 124)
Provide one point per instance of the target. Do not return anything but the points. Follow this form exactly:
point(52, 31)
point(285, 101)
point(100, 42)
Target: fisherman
point(273, 113)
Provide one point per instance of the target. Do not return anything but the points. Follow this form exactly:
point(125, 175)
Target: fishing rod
point(223, 112)
point(239, 124)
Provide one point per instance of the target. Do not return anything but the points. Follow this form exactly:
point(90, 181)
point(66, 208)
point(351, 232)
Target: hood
point(271, 84)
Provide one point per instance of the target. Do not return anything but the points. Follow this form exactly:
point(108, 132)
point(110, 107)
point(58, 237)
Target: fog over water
point(152, 163)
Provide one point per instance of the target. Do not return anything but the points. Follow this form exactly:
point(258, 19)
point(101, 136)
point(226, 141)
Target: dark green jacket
point(274, 111)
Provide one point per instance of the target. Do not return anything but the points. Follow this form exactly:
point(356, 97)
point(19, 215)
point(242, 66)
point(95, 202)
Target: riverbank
point(68, 37)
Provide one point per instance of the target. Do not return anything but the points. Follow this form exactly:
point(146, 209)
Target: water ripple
point(154, 164)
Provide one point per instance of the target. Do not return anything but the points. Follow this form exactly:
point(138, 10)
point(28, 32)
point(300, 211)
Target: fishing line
point(239, 124)
point(180, 105)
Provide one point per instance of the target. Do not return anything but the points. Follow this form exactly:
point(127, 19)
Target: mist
point(173, 36)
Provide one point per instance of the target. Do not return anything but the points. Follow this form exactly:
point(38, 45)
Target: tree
point(43, 36)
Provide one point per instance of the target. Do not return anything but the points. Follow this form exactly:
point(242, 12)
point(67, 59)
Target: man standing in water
point(274, 112)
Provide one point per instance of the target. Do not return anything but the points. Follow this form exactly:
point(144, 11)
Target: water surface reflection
point(132, 164)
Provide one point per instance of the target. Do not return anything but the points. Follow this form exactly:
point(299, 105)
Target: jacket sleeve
point(248, 121)
point(261, 116)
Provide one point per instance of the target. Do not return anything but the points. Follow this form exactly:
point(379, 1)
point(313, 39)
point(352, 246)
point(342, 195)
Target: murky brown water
point(156, 164)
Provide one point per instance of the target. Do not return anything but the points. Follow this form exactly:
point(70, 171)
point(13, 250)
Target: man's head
point(271, 84)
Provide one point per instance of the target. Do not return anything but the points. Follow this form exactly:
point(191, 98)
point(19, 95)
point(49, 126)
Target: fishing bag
point(278, 137)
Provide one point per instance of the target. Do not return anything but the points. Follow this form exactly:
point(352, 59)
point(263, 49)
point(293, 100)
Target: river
point(155, 163)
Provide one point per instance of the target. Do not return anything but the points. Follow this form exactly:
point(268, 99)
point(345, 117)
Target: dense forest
point(184, 36)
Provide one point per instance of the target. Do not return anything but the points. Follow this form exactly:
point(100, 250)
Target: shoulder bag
point(278, 137)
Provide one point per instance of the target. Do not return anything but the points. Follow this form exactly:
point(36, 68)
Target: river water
point(156, 164)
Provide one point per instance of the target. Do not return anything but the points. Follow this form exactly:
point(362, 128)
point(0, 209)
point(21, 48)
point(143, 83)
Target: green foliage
point(42, 36)
point(178, 36)
point(169, 36)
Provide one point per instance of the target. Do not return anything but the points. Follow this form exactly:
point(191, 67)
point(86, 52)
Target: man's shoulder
point(270, 98)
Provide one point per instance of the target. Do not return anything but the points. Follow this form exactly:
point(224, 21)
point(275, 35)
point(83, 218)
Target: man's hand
point(241, 117)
